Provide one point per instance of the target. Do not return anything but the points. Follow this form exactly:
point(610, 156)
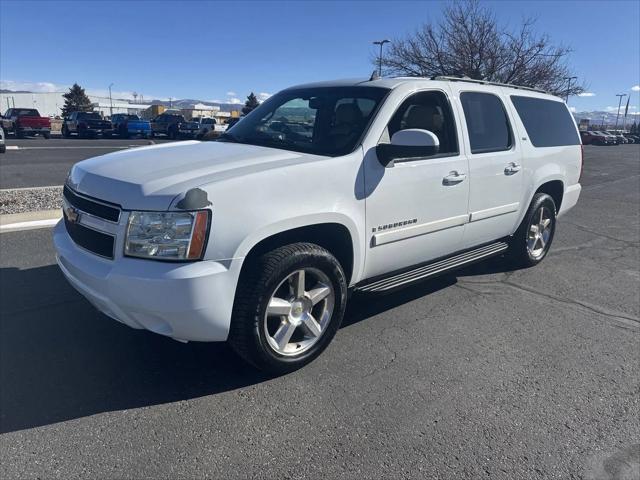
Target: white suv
point(258, 238)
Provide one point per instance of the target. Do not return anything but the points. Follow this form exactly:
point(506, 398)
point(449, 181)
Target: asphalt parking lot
point(38, 162)
point(488, 373)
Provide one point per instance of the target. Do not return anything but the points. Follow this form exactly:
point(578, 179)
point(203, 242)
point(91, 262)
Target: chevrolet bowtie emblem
point(72, 214)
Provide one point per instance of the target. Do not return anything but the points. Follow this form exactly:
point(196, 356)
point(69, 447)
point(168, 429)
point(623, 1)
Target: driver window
point(426, 111)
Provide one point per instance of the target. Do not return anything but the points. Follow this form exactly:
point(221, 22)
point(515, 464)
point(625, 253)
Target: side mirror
point(406, 145)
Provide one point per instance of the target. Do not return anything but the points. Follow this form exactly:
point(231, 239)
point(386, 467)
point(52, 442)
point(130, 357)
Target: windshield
point(89, 116)
point(322, 121)
point(26, 113)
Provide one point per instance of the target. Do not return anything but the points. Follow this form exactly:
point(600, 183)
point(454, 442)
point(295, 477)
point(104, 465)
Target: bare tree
point(468, 41)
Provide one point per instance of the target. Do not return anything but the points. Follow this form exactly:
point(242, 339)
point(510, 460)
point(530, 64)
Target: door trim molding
point(417, 230)
point(493, 212)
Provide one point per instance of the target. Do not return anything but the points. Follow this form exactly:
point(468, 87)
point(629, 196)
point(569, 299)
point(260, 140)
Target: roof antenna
point(374, 76)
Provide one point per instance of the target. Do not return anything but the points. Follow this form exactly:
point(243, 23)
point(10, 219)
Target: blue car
point(127, 125)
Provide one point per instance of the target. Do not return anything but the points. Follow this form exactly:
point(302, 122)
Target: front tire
point(289, 305)
point(531, 242)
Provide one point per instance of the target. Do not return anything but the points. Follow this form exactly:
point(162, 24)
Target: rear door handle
point(512, 168)
point(454, 178)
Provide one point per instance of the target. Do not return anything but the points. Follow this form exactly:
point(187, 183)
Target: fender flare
point(288, 224)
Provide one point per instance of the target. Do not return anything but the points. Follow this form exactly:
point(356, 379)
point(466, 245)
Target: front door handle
point(454, 178)
point(512, 168)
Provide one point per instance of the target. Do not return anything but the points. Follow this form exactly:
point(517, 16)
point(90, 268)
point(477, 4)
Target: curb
point(29, 220)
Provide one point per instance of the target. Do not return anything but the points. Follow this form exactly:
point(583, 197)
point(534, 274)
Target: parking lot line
point(72, 147)
point(31, 225)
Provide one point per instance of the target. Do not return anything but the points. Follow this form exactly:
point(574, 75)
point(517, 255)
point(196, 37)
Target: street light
point(381, 43)
point(110, 101)
point(569, 80)
point(619, 95)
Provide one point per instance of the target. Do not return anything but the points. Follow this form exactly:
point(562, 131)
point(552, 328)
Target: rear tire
point(65, 132)
point(46, 135)
point(279, 311)
point(531, 242)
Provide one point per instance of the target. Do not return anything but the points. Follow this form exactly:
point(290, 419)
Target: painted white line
point(14, 227)
point(13, 147)
point(75, 147)
point(29, 188)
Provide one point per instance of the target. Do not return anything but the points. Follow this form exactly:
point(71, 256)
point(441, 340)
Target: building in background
point(50, 104)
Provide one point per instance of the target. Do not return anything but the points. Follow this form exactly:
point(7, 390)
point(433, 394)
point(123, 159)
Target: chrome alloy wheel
point(299, 311)
point(539, 232)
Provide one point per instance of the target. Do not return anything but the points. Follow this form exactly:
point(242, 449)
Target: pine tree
point(76, 100)
point(250, 104)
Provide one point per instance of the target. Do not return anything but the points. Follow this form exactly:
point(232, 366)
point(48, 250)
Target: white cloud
point(231, 93)
point(263, 96)
point(47, 87)
point(234, 101)
point(636, 88)
point(587, 94)
point(622, 107)
point(38, 87)
point(572, 109)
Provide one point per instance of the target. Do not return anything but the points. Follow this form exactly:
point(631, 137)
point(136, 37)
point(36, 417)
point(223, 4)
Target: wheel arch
point(553, 188)
point(334, 236)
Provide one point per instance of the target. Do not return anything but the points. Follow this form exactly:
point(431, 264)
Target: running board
point(435, 268)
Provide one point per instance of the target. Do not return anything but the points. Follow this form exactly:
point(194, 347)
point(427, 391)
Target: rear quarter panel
point(542, 164)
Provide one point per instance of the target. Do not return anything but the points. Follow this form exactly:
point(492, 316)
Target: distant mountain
point(3, 90)
point(599, 117)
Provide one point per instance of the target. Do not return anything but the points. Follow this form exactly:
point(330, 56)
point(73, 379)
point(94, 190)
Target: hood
point(149, 178)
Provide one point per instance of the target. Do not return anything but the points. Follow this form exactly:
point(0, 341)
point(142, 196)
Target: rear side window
point(548, 123)
point(487, 122)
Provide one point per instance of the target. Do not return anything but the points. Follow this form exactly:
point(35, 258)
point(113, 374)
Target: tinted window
point(548, 123)
point(26, 112)
point(428, 111)
point(322, 120)
point(487, 122)
point(89, 116)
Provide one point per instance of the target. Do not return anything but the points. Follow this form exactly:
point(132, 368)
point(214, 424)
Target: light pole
point(381, 43)
point(619, 95)
point(110, 101)
point(569, 80)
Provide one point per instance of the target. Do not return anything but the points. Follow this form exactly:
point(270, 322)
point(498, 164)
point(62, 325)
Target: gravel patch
point(20, 200)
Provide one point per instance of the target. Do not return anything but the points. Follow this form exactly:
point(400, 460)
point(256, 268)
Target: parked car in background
point(594, 138)
point(85, 124)
point(205, 125)
point(618, 136)
point(258, 238)
point(126, 125)
point(3, 145)
point(174, 126)
point(26, 121)
point(610, 139)
point(632, 138)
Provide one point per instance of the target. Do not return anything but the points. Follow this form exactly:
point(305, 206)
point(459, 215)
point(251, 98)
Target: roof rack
point(485, 82)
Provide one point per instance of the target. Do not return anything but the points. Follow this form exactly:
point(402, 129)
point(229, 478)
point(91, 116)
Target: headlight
point(167, 235)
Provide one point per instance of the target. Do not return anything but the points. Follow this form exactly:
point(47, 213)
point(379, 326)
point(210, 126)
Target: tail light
point(581, 162)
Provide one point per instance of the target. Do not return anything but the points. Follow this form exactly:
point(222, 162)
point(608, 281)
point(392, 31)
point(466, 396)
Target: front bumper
point(185, 301)
point(34, 129)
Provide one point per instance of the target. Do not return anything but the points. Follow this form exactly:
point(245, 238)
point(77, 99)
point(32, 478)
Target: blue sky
point(224, 50)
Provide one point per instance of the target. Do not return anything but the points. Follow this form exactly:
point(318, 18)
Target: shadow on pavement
point(60, 359)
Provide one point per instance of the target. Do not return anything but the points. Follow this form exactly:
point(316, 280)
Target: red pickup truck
point(26, 121)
